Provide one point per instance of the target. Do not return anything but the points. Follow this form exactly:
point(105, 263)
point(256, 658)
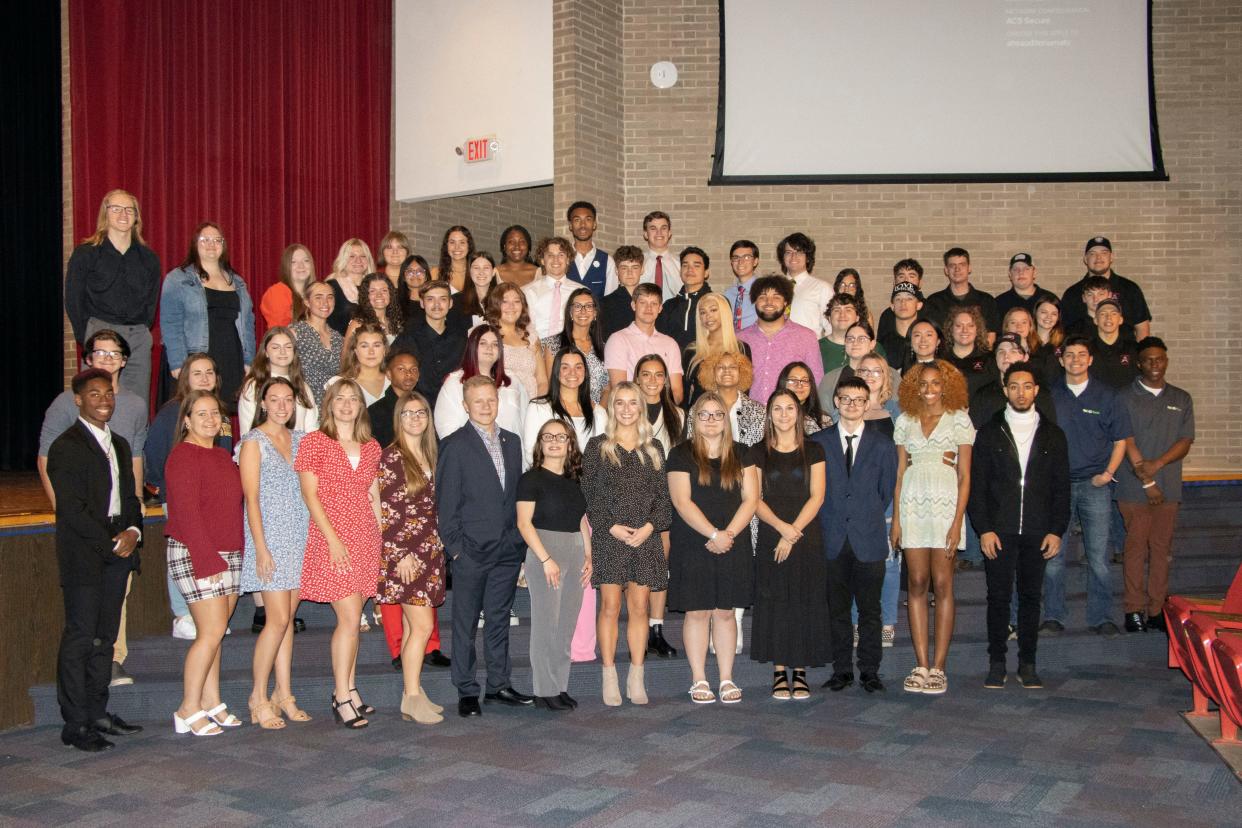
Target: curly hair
point(745, 371)
point(976, 316)
point(491, 308)
point(554, 241)
point(394, 317)
point(954, 397)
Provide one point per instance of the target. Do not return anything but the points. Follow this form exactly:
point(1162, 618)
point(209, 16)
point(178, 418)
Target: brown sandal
point(266, 715)
point(289, 706)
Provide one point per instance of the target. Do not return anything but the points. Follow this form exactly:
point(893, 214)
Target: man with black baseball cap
point(1024, 292)
point(906, 302)
point(1114, 355)
point(1098, 257)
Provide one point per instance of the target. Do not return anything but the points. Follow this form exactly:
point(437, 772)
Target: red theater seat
point(1177, 609)
point(1201, 630)
point(1226, 665)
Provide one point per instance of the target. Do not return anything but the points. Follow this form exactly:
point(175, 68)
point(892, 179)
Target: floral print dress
point(410, 527)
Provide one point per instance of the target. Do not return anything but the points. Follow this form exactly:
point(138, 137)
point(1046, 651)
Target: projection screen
point(826, 91)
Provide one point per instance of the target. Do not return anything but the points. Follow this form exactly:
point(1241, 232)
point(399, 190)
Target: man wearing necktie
point(744, 259)
point(660, 267)
point(861, 465)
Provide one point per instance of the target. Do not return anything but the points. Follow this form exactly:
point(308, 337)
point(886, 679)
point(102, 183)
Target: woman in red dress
point(412, 558)
point(337, 467)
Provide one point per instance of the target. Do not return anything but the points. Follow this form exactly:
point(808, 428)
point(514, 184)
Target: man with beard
point(1020, 513)
point(775, 340)
point(1098, 257)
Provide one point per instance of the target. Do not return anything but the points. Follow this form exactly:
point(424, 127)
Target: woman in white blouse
point(277, 357)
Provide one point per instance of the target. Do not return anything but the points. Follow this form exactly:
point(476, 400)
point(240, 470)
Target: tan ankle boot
point(415, 709)
point(611, 687)
point(436, 707)
point(634, 688)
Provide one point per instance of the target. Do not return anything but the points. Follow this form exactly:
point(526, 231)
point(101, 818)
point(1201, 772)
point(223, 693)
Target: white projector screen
point(913, 91)
point(467, 69)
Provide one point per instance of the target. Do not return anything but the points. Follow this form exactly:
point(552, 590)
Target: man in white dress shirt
point(660, 266)
point(589, 265)
point(796, 253)
point(547, 296)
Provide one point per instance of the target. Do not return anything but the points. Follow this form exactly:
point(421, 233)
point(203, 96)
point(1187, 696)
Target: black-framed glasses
point(101, 353)
point(554, 438)
point(117, 209)
point(711, 416)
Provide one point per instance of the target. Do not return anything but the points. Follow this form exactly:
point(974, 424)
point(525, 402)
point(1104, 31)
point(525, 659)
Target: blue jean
point(888, 593)
point(973, 553)
point(1093, 506)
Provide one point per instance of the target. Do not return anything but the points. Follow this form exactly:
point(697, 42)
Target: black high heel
point(356, 722)
point(362, 707)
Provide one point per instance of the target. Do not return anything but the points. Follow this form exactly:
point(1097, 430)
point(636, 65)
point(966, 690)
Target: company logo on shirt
point(1172, 408)
point(1091, 411)
point(1125, 359)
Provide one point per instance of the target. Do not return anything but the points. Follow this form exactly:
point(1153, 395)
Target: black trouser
point(84, 664)
point(851, 580)
point(1020, 555)
point(489, 588)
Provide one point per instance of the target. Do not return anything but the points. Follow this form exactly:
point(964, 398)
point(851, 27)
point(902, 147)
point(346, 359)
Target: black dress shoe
point(996, 677)
point(871, 683)
point(1134, 622)
point(1028, 678)
point(509, 696)
point(657, 644)
point(299, 625)
point(85, 738)
point(435, 658)
point(468, 706)
point(552, 703)
point(1156, 622)
point(396, 663)
point(259, 621)
point(569, 700)
point(1108, 629)
point(839, 682)
point(114, 725)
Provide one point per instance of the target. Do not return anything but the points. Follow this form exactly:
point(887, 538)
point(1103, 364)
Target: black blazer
point(478, 517)
point(855, 504)
point(1001, 500)
point(82, 480)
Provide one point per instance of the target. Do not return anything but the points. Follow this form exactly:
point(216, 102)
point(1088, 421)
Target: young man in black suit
point(98, 528)
point(1020, 506)
point(861, 465)
point(476, 490)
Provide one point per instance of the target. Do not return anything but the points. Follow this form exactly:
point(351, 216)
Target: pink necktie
point(554, 323)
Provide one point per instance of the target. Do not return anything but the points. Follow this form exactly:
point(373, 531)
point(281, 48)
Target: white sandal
point(227, 720)
point(936, 683)
point(186, 725)
point(701, 693)
point(730, 693)
point(916, 681)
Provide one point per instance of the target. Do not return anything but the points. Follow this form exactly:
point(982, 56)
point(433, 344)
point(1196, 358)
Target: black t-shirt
point(1114, 365)
point(943, 302)
point(559, 503)
point(1133, 304)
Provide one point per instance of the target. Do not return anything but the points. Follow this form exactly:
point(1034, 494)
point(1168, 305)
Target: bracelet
point(713, 535)
point(545, 560)
point(1149, 484)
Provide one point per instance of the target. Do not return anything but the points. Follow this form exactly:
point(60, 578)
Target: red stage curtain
point(270, 117)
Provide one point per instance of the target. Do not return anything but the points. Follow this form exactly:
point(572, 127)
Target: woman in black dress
point(714, 488)
point(791, 598)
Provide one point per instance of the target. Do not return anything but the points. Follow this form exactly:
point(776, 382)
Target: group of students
point(669, 446)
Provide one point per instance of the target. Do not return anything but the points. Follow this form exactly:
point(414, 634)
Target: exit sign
point(480, 149)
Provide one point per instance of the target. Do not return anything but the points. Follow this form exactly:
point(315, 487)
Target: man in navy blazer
point(861, 466)
point(476, 490)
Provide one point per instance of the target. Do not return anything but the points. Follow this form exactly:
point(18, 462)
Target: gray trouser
point(137, 374)
point(554, 612)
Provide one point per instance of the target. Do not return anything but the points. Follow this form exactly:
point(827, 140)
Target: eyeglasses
point(860, 339)
point(416, 414)
point(416, 271)
point(870, 372)
point(843, 401)
point(214, 241)
point(582, 307)
point(744, 257)
point(100, 353)
point(554, 438)
point(798, 381)
point(117, 209)
point(711, 416)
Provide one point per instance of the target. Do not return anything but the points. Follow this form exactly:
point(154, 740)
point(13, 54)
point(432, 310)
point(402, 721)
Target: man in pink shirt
point(774, 340)
point(628, 345)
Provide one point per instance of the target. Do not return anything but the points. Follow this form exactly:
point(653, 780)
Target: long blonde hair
point(728, 339)
point(327, 419)
point(416, 477)
point(730, 465)
point(647, 449)
point(101, 224)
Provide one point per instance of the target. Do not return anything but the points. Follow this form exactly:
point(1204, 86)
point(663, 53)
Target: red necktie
point(737, 308)
point(659, 273)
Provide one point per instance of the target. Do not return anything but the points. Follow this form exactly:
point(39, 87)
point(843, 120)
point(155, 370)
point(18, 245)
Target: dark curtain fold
point(270, 117)
point(31, 338)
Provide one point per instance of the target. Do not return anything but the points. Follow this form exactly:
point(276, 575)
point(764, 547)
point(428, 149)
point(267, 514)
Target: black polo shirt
point(943, 302)
point(1114, 365)
point(1010, 299)
point(1133, 303)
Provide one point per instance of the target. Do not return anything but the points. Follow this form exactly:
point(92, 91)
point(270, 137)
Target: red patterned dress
point(343, 491)
point(410, 528)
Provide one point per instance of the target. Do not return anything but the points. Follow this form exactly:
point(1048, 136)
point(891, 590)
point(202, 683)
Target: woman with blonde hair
point(338, 468)
point(412, 557)
point(934, 437)
point(282, 303)
point(968, 349)
point(363, 362)
point(352, 264)
point(628, 507)
point(714, 488)
point(713, 335)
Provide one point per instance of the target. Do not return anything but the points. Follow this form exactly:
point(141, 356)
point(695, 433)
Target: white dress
point(929, 482)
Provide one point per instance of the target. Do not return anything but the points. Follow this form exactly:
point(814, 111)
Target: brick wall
point(1179, 239)
point(486, 215)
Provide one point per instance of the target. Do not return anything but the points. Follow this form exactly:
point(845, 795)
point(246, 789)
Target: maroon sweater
point(204, 505)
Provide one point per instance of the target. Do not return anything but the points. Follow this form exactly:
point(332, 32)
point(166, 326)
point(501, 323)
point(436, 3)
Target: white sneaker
point(888, 634)
point(513, 619)
point(184, 628)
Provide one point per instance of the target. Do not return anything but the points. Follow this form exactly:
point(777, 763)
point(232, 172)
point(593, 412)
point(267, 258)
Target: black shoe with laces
point(1134, 622)
point(1156, 622)
point(1029, 678)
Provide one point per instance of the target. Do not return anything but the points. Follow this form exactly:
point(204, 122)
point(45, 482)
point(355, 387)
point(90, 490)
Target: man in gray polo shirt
point(1149, 482)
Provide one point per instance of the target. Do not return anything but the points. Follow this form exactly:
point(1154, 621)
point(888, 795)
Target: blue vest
point(596, 276)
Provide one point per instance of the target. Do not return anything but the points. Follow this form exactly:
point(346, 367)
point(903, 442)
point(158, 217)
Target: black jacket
point(990, 399)
point(82, 480)
point(1005, 502)
point(679, 318)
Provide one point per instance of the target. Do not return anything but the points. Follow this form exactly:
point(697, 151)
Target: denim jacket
point(183, 316)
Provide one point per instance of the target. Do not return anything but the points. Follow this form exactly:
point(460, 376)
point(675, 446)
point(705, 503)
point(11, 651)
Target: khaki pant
point(121, 649)
point(1148, 553)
